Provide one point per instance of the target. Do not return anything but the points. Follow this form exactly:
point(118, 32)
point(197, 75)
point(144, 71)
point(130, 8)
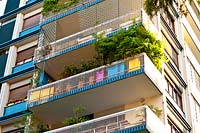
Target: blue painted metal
point(30, 1)
point(92, 86)
point(16, 108)
point(12, 42)
point(23, 67)
point(43, 78)
point(74, 10)
point(29, 30)
point(14, 111)
point(17, 74)
point(133, 129)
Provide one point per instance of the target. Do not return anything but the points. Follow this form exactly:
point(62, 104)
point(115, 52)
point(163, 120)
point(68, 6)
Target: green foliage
point(153, 6)
point(129, 43)
point(156, 110)
point(126, 43)
point(28, 121)
point(56, 6)
point(72, 69)
point(77, 116)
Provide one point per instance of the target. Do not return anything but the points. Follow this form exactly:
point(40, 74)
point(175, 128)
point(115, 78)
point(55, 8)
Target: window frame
point(174, 92)
point(29, 17)
point(25, 59)
point(173, 126)
point(174, 59)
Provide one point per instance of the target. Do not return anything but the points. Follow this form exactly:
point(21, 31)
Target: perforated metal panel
point(90, 17)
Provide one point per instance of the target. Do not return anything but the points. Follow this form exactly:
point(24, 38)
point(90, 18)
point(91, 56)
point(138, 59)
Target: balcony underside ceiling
point(54, 66)
point(129, 90)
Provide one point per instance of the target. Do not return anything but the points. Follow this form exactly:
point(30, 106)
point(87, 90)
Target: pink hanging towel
point(99, 75)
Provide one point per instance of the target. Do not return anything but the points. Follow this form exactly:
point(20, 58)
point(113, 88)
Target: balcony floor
point(130, 87)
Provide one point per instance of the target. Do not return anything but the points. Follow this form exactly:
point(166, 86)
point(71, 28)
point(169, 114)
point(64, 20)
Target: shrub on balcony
point(128, 43)
point(53, 6)
point(72, 69)
point(77, 116)
point(125, 44)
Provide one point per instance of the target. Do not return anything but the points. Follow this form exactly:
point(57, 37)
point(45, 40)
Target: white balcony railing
point(43, 93)
point(140, 118)
point(108, 27)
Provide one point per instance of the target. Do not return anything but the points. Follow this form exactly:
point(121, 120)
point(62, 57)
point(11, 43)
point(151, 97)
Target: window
point(6, 31)
point(172, 128)
point(19, 94)
point(25, 55)
point(31, 21)
point(170, 20)
point(11, 5)
point(170, 50)
point(174, 92)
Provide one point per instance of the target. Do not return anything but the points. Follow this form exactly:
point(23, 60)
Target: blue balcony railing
point(16, 108)
point(140, 119)
point(95, 78)
point(23, 67)
point(29, 30)
point(30, 1)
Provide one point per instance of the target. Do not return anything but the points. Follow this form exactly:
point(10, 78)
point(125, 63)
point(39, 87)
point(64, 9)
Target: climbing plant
point(30, 125)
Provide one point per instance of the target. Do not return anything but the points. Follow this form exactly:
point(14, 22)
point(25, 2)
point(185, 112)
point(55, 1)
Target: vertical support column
point(12, 55)
point(4, 97)
point(2, 7)
point(18, 25)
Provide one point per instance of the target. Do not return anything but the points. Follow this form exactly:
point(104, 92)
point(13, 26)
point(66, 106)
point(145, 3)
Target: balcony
point(68, 31)
point(132, 79)
point(22, 67)
point(13, 111)
point(78, 46)
point(140, 119)
point(30, 30)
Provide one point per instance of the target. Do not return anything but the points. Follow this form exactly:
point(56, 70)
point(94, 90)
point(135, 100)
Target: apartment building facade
point(124, 96)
